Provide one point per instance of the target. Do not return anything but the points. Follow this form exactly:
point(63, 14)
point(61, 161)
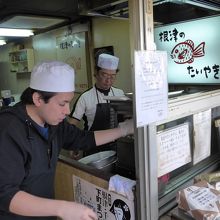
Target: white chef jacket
point(86, 104)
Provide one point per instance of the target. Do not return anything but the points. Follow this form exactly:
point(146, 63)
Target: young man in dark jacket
point(31, 136)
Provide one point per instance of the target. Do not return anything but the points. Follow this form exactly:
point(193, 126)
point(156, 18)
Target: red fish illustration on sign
point(184, 52)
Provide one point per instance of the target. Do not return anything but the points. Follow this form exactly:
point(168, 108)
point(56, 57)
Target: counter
point(67, 167)
point(178, 214)
point(81, 183)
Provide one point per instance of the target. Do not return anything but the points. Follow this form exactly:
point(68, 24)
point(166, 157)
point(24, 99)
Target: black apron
point(105, 118)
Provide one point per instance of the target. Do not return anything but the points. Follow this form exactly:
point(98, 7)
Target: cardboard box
point(107, 205)
point(201, 201)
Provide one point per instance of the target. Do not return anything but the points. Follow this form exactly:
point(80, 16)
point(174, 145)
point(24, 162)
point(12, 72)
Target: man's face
point(56, 110)
point(105, 78)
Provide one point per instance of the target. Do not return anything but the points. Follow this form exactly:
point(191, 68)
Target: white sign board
point(71, 49)
point(107, 205)
point(151, 86)
point(193, 50)
point(173, 148)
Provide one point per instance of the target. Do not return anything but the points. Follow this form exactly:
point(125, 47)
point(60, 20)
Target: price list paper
point(173, 148)
point(202, 135)
point(151, 89)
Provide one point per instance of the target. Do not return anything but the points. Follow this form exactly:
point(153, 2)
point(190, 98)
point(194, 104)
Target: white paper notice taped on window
point(202, 135)
point(151, 89)
point(173, 147)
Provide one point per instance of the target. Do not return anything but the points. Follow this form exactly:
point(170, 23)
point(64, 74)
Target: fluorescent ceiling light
point(15, 32)
point(30, 22)
point(2, 42)
point(202, 4)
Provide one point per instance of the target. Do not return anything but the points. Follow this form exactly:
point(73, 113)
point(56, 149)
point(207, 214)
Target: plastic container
point(104, 160)
point(6, 93)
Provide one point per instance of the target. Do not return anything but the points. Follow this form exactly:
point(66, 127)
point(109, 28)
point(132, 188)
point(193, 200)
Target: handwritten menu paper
point(173, 148)
point(202, 135)
point(151, 86)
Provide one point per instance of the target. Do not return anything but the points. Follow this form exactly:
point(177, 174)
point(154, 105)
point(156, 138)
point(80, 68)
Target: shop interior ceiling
point(44, 15)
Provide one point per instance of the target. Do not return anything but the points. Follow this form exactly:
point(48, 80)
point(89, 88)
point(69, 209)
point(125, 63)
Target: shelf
point(21, 60)
point(186, 105)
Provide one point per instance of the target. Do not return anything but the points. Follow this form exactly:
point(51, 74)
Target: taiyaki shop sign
point(193, 50)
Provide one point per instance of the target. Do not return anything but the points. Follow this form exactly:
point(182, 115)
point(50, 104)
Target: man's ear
point(37, 100)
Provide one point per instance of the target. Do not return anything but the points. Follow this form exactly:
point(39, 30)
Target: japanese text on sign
point(173, 148)
point(106, 204)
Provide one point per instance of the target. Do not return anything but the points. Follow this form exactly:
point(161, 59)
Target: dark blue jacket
point(28, 160)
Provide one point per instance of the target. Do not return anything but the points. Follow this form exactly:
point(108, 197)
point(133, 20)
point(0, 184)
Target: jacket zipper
point(49, 157)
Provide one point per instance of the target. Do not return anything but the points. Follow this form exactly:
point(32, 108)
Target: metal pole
point(141, 38)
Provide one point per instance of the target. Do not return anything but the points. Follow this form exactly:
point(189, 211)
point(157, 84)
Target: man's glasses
point(105, 76)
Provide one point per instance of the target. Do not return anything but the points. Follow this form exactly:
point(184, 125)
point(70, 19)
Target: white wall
point(106, 32)
point(44, 46)
point(115, 32)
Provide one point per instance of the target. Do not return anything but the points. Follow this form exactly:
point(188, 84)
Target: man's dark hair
point(99, 68)
point(26, 97)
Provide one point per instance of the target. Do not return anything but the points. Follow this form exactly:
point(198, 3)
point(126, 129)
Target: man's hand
point(76, 211)
point(126, 127)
